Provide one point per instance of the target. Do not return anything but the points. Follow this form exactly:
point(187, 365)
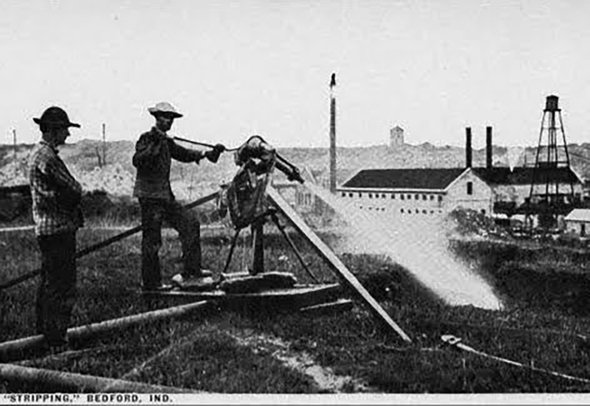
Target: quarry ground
point(543, 324)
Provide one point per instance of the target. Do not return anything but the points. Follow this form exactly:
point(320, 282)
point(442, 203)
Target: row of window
point(303, 199)
point(408, 211)
point(402, 196)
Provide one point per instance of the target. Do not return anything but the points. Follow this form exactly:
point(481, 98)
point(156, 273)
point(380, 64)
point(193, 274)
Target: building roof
point(503, 175)
point(416, 178)
point(441, 178)
point(579, 215)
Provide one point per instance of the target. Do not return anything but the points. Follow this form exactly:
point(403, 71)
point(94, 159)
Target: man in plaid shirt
point(56, 211)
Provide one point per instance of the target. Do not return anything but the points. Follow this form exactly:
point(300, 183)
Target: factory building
point(421, 191)
point(437, 191)
point(489, 190)
point(514, 185)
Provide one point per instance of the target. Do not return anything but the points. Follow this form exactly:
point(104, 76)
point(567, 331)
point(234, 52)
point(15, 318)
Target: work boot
point(200, 281)
point(203, 273)
point(163, 287)
point(181, 278)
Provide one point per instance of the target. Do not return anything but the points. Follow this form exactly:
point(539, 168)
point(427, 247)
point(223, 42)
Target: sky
point(238, 68)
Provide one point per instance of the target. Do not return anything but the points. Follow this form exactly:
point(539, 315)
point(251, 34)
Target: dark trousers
point(153, 213)
point(57, 289)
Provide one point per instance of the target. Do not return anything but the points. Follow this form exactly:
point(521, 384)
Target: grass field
point(543, 324)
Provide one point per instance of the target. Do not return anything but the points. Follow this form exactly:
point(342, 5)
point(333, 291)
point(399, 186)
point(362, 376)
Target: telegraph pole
point(333, 134)
point(14, 143)
point(104, 145)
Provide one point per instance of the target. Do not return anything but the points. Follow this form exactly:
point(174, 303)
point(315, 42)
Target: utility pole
point(332, 134)
point(14, 144)
point(104, 145)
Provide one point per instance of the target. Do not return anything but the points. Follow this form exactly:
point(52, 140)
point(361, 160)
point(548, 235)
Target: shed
point(578, 221)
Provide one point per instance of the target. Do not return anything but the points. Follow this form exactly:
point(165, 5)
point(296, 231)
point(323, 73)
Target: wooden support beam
point(67, 381)
point(335, 264)
point(327, 308)
point(11, 349)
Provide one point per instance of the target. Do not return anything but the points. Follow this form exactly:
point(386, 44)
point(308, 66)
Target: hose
point(202, 144)
point(456, 343)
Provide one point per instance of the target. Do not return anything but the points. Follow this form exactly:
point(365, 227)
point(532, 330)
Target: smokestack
point(333, 134)
point(468, 159)
point(489, 147)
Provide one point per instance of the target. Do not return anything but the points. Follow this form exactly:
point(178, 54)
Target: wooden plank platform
point(272, 300)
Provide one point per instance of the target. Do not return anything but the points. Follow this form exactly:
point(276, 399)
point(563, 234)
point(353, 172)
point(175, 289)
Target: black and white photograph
point(295, 202)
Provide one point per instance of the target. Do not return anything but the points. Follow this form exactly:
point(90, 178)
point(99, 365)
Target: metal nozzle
point(289, 169)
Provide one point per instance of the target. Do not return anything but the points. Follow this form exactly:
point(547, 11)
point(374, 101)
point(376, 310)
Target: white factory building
point(436, 191)
point(423, 191)
point(441, 190)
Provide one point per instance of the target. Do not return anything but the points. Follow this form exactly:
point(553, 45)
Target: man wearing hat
point(154, 152)
point(56, 211)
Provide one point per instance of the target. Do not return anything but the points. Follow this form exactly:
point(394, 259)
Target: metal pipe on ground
point(11, 349)
point(68, 381)
point(335, 264)
point(456, 342)
point(101, 244)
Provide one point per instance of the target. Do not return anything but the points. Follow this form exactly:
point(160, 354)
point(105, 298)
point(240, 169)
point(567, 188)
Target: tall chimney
point(468, 159)
point(333, 134)
point(488, 147)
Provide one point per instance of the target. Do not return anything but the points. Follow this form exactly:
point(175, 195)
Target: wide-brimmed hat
point(55, 117)
point(164, 108)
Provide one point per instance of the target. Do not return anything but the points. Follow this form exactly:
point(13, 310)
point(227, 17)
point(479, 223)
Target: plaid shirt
point(153, 156)
point(56, 194)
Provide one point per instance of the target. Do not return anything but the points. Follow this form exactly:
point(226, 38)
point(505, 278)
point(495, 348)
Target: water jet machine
point(251, 202)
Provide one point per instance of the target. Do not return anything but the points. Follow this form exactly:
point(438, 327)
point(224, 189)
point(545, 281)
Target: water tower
point(552, 185)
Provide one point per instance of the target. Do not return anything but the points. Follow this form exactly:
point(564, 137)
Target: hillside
point(191, 180)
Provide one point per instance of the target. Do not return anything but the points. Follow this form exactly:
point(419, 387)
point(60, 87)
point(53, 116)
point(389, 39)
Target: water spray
point(419, 244)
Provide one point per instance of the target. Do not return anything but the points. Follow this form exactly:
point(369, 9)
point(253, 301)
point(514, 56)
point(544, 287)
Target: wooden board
point(275, 299)
point(335, 264)
point(322, 309)
point(258, 283)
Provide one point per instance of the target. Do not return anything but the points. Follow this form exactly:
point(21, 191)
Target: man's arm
point(183, 154)
point(69, 191)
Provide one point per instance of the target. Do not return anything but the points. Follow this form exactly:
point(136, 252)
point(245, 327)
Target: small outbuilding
point(578, 222)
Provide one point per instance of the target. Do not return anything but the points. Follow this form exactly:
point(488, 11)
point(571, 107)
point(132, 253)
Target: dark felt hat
point(55, 117)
